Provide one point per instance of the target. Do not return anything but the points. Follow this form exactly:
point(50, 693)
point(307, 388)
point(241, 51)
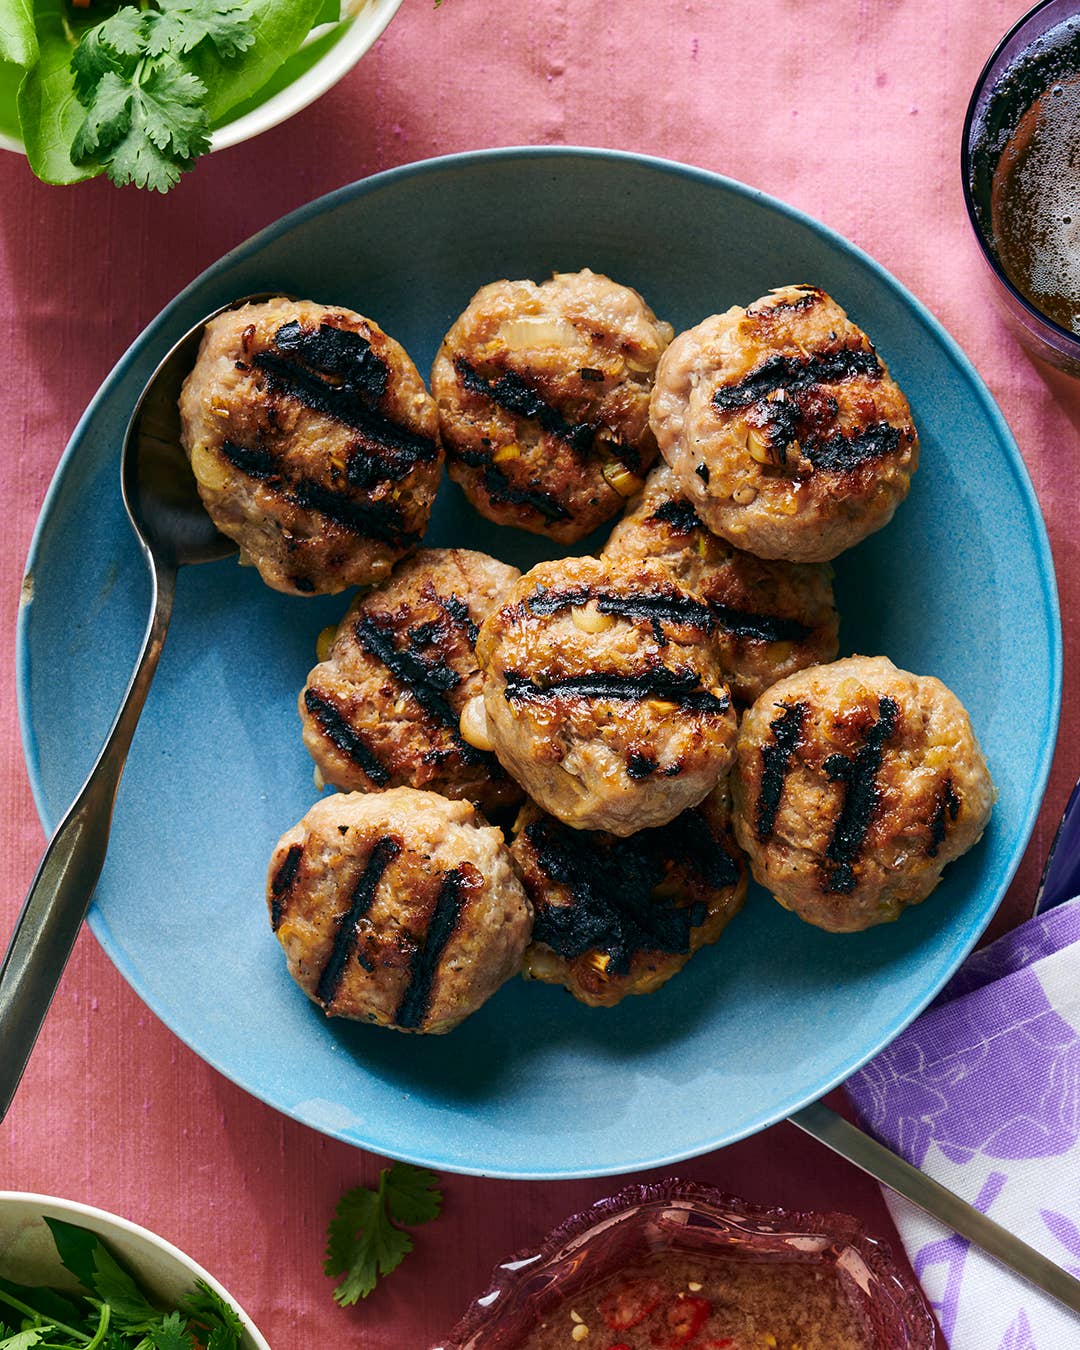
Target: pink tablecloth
point(849, 109)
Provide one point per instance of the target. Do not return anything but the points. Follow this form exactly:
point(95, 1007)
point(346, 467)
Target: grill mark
point(679, 514)
point(282, 884)
point(457, 611)
point(796, 373)
point(517, 396)
point(500, 489)
point(842, 454)
point(427, 681)
point(375, 520)
point(674, 686)
point(760, 627)
point(948, 808)
point(256, 463)
point(639, 766)
point(652, 609)
point(416, 1000)
point(611, 884)
point(336, 728)
point(775, 761)
point(360, 379)
point(861, 797)
point(812, 296)
point(386, 849)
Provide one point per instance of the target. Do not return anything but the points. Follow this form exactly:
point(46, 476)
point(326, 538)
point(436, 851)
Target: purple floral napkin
point(983, 1093)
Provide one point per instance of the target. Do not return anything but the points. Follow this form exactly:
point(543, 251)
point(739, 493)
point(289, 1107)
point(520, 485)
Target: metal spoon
point(173, 531)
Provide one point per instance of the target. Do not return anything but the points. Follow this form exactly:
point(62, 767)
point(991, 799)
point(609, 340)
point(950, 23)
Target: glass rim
point(965, 172)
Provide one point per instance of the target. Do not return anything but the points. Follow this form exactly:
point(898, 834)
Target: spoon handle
point(60, 893)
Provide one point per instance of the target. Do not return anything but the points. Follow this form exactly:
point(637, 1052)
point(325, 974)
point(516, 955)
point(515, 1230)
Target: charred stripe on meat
point(449, 905)
point(337, 373)
point(335, 726)
point(861, 797)
point(842, 454)
point(651, 608)
point(613, 908)
point(282, 884)
point(775, 762)
point(381, 856)
point(679, 515)
point(427, 680)
point(948, 808)
point(794, 374)
point(682, 687)
point(376, 519)
point(759, 627)
point(514, 394)
point(499, 488)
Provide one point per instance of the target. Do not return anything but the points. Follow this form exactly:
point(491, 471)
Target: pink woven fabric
point(848, 109)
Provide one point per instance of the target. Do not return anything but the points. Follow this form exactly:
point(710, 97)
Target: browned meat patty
point(784, 426)
point(314, 443)
point(621, 916)
point(856, 784)
point(382, 709)
point(603, 694)
point(772, 617)
point(543, 395)
point(399, 908)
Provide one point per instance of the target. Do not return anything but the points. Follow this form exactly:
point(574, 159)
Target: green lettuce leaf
point(280, 26)
point(18, 38)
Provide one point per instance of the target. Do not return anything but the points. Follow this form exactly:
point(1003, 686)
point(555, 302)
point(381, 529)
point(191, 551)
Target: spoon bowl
point(162, 502)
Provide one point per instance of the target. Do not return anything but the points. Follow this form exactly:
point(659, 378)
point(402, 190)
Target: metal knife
point(1060, 882)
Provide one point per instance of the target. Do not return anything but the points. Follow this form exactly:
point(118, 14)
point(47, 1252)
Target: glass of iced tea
point(1021, 168)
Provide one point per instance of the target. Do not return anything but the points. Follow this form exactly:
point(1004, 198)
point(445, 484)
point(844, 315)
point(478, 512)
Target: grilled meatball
point(784, 427)
point(603, 693)
point(772, 617)
point(621, 916)
point(543, 395)
point(313, 441)
point(856, 784)
point(399, 907)
point(382, 710)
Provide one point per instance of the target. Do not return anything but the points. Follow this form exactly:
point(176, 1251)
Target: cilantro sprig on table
point(146, 117)
point(366, 1238)
point(115, 1314)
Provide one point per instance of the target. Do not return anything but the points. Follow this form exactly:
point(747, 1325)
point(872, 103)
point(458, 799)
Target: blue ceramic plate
point(534, 1085)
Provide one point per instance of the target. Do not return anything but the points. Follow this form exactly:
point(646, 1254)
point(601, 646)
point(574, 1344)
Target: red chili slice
point(630, 1304)
point(684, 1319)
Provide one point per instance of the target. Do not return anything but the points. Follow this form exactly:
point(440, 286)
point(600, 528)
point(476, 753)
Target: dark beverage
point(1035, 204)
point(1022, 171)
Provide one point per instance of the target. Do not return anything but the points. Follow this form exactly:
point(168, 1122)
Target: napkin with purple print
point(982, 1092)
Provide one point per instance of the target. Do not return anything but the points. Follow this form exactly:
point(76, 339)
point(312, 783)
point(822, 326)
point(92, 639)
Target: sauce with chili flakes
point(675, 1302)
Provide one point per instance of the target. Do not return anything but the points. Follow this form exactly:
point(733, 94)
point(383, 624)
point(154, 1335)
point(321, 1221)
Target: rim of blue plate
point(362, 187)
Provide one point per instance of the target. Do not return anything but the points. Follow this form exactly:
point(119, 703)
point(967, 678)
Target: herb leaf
point(363, 1241)
point(107, 120)
point(209, 1310)
point(412, 1194)
point(182, 25)
point(117, 1315)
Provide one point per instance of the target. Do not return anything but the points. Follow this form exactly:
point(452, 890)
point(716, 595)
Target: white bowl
point(27, 1254)
point(368, 19)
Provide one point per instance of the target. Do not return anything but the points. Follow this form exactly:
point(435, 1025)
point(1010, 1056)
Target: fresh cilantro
point(364, 1240)
point(115, 1314)
point(146, 116)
